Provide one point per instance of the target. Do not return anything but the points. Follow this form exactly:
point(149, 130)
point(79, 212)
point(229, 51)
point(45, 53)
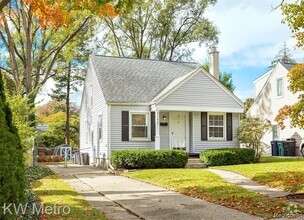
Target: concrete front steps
point(195, 163)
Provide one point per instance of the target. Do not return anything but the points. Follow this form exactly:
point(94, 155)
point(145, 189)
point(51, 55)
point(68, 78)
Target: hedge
point(12, 180)
point(227, 156)
point(148, 159)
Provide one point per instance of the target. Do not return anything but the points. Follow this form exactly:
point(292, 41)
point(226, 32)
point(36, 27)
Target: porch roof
point(194, 108)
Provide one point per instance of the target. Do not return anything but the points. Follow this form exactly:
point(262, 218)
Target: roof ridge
point(291, 63)
point(134, 58)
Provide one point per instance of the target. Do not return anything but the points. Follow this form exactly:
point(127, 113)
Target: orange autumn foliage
point(294, 112)
point(58, 13)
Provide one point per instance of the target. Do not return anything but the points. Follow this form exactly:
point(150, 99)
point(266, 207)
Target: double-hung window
point(279, 87)
point(139, 125)
point(216, 122)
point(100, 132)
point(275, 132)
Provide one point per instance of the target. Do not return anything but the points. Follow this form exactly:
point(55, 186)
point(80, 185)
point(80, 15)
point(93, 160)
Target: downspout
point(109, 137)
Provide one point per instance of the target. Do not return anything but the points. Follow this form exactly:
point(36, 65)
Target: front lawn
point(52, 190)
point(283, 173)
point(206, 185)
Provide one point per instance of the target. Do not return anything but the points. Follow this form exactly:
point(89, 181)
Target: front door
point(179, 131)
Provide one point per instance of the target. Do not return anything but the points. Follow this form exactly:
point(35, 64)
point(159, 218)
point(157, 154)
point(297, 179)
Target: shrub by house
point(147, 159)
point(219, 157)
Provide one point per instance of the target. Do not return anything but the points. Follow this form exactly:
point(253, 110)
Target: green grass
point(53, 190)
point(209, 186)
point(283, 173)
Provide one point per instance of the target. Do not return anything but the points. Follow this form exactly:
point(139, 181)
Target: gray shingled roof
point(127, 80)
point(288, 66)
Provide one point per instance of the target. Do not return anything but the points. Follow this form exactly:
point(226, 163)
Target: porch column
point(157, 137)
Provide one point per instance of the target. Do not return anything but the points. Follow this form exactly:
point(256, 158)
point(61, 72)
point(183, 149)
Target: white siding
point(116, 120)
point(201, 91)
point(200, 145)
point(260, 82)
point(90, 114)
point(268, 105)
point(191, 132)
point(164, 132)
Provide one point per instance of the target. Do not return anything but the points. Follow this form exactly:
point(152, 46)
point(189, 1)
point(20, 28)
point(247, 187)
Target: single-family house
point(149, 104)
point(271, 93)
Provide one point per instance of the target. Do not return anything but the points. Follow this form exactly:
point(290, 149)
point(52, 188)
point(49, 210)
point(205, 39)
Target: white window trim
point(148, 121)
point(278, 132)
point(276, 92)
point(100, 139)
point(224, 126)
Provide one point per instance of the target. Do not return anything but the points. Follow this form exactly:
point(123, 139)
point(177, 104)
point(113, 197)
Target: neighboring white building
point(271, 94)
point(148, 104)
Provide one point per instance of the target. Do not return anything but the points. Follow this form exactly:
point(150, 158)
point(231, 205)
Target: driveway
point(124, 198)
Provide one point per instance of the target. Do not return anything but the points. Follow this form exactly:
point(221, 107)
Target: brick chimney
point(214, 64)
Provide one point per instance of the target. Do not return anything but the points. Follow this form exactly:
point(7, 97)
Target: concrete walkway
point(124, 198)
point(248, 184)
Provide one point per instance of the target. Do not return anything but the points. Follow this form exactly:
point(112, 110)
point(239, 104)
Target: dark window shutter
point(229, 126)
point(125, 126)
point(204, 126)
point(152, 126)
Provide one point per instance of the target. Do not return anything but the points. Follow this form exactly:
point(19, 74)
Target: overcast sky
point(251, 35)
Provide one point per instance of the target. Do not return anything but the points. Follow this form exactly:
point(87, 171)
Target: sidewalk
point(124, 198)
point(248, 184)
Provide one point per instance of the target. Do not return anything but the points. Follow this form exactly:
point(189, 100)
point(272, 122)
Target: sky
point(251, 34)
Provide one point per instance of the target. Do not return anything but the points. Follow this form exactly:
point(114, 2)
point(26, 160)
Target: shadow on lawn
point(280, 159)
point(289, 181)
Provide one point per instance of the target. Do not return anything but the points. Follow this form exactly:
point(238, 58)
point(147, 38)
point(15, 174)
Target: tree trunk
point(31, 102)
point(67, 104)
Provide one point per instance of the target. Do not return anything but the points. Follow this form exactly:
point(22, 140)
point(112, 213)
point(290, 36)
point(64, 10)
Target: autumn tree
point(294, 17)
point(35, 32)
point(294, 112)
point(54, 116)
point(160, 30)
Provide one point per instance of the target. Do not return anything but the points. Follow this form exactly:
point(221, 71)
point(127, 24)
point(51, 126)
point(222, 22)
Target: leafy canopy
point(160, 29)
point(296, 111)
point(58, 13)
point(53, 115)
point(294, 17)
